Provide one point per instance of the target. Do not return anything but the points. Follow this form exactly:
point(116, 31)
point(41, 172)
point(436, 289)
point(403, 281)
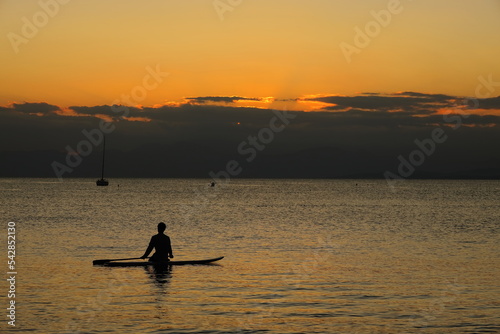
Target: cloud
point(40, 108)
point(359, 123)
point(406, 101)
point(193, 115)
point(110, 112)
point(489, 103)
point(224, 99)
point(188, 134)
point(429, 97)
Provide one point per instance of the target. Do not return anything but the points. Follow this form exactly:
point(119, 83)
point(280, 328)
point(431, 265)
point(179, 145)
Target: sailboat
point(102, 181)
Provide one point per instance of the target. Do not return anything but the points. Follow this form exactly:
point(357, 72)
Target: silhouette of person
point(161, 243)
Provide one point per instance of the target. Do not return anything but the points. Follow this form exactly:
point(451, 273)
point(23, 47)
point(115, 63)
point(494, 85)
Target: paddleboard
point(166, 263)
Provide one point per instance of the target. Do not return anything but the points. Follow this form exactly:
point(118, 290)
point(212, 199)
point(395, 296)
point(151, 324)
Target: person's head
point(162, 227)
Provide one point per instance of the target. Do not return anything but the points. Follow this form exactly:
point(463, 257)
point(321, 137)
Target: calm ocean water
point(301, 256)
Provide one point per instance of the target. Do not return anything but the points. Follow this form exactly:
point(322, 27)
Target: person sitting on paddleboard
point(161, 243)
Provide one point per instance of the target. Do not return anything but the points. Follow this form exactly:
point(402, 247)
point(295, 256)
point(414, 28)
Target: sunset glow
point(285, 49)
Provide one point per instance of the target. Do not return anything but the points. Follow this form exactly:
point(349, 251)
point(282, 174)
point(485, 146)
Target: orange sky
point(95, 52)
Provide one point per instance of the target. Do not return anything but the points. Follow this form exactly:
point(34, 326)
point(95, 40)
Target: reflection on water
point(301, 256)
point(159, 277)
point(160, 274)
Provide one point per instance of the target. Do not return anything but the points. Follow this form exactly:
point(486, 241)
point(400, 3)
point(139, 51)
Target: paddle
point(109, 260)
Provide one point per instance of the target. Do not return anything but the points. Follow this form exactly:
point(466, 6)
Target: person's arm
point(170, 253)
point(149, 249)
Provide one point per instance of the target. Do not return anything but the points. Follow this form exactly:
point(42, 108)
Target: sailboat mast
point(103, 150)
point(102, 181)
